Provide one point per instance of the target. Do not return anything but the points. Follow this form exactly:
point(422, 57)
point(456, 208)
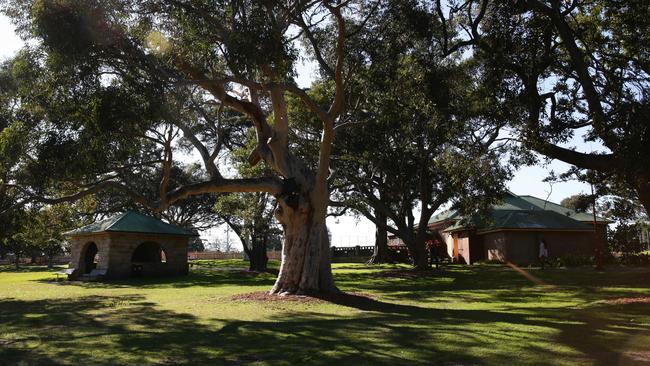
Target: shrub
point(571, 260)
point(635, 259)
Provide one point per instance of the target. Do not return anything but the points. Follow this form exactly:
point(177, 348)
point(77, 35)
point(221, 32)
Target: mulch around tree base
point(341, 298)
point(264, 296)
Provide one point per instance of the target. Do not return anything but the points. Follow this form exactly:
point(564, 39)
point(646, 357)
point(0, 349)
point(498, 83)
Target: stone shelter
point(514, 228)
point(128, 245)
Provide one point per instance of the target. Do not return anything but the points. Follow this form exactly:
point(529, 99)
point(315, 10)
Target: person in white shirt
point(543, 253)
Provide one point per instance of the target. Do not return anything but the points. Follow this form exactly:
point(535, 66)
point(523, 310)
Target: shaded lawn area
point(462, 315)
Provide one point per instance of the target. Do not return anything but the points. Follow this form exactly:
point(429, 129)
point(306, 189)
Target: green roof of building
point(132, 222)
point(548, 205)
point(444, 216)
point(522, 212)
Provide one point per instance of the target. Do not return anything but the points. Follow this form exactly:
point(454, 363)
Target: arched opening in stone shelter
point(149, 252)
point(148, 259)
point(90, 257)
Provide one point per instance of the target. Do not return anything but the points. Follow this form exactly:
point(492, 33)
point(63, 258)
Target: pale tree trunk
point(305, 267)
point(380, 253)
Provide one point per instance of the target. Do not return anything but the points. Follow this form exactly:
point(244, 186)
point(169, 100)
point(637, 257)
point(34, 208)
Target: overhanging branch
point(600, 162)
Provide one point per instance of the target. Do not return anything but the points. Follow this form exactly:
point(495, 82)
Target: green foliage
point(12, 145)
point(419, 131)
point(42, 228)
point(627, 238)
point(195, 245)
point(574, 71)
point(635, 259)
point(571, 260)
point(69, 27)
point(578, 202)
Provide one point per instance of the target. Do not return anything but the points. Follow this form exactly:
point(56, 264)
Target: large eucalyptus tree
point(99, 100)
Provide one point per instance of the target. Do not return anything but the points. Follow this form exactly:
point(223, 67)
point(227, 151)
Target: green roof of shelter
point(132, 222)
point(523, 212)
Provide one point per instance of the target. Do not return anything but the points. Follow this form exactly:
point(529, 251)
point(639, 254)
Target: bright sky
point(350, 231)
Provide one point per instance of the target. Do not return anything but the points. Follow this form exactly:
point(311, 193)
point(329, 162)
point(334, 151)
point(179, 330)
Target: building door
point(455, 237)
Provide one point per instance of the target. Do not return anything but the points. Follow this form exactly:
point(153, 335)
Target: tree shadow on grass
point(109, 330)
point(487, 279)
point(25, 268)
point(196, 277)
point(394, 284)
point(130, 330)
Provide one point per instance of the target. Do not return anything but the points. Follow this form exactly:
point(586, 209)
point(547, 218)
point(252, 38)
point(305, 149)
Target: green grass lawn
point(462, 315)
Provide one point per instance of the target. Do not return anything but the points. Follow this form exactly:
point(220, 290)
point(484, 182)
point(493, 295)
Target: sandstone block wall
point(115, 251)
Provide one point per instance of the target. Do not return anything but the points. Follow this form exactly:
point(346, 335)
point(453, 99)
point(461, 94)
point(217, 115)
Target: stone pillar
point(76, 249)
point(176, 250)
point(119, 261)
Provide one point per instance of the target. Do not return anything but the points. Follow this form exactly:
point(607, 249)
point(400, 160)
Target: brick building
point(513, 229)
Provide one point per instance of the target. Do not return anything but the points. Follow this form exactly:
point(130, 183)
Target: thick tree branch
point(339, 94)
point(218, 90)
point(314, 44)
point(272, 185)
point(167, 164)
point(579, 66)
point(336, 107)
point(207, 158)
point(97, 188)
point(604, 163)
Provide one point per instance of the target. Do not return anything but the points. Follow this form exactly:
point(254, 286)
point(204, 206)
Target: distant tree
point(9, 222)
point(43, 227)
point(17, 245)
point(420, 136)
point(614, 199)
point(224, 245)
point(616, 202)
point(250, 216)
point(196, 245)
point(626, 237)
point(578, 202)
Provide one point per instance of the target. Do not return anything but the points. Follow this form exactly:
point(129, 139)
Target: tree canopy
point(566, 69)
